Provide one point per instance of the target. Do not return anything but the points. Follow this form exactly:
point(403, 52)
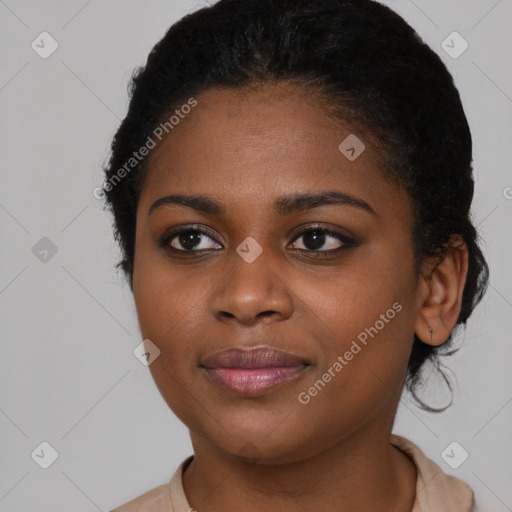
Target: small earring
point(430, 332)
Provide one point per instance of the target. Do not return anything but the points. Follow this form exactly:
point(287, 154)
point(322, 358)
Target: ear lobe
point(442, 291)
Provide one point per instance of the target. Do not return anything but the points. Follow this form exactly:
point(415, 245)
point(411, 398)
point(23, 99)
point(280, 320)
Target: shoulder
point(157, 499)
point(435, 490)
point(164, 498)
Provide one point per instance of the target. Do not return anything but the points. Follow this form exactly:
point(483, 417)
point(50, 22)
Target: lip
point(253, 371)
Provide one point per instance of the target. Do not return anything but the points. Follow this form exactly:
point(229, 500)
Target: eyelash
point(347, 242)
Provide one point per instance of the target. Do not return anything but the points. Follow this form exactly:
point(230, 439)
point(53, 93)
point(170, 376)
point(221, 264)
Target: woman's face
point(262, 278)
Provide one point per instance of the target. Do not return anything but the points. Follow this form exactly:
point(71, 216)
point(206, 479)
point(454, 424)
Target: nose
point(254, 292)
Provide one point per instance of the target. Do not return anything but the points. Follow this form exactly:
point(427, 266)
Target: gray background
point(68, 325)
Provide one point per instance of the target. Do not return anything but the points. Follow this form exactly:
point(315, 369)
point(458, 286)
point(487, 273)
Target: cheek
point(366, 317)
point(165, 308)
point(161, 296)
point(361, 371)
point(353, 299)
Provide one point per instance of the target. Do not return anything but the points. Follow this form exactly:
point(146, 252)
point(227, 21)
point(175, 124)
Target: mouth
point(252, 371)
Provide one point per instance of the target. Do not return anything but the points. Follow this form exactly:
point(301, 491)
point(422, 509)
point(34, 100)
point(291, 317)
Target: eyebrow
point(284, 205)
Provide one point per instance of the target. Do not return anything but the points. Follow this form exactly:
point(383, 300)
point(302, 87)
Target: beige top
point(435, 490)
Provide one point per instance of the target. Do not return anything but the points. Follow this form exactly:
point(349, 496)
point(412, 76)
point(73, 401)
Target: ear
point(441, 288)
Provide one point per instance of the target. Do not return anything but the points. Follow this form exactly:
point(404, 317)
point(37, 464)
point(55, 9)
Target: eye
point(189, 239)
point(322, 240)
point(316, 239)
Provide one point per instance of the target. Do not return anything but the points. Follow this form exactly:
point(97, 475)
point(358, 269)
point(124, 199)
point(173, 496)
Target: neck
point(364, 471)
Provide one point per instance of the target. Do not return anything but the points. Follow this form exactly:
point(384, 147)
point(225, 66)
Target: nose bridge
point(251, 287)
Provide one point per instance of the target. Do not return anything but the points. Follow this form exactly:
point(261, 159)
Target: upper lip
point(253, 357)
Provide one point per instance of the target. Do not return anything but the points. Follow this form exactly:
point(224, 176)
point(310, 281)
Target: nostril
point(266, 313)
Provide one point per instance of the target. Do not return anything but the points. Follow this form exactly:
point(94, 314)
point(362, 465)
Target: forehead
point(259, 143)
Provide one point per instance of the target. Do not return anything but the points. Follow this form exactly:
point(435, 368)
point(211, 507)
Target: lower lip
point(251, 382)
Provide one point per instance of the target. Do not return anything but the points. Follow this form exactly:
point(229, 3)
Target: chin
point(253, 446)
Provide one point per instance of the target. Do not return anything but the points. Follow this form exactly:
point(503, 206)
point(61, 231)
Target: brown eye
point(189, 240)
point(322, 240)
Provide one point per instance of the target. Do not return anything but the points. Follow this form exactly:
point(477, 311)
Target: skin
point(270, 452)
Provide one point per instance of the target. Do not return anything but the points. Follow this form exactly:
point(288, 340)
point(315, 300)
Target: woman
point(291, 191)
